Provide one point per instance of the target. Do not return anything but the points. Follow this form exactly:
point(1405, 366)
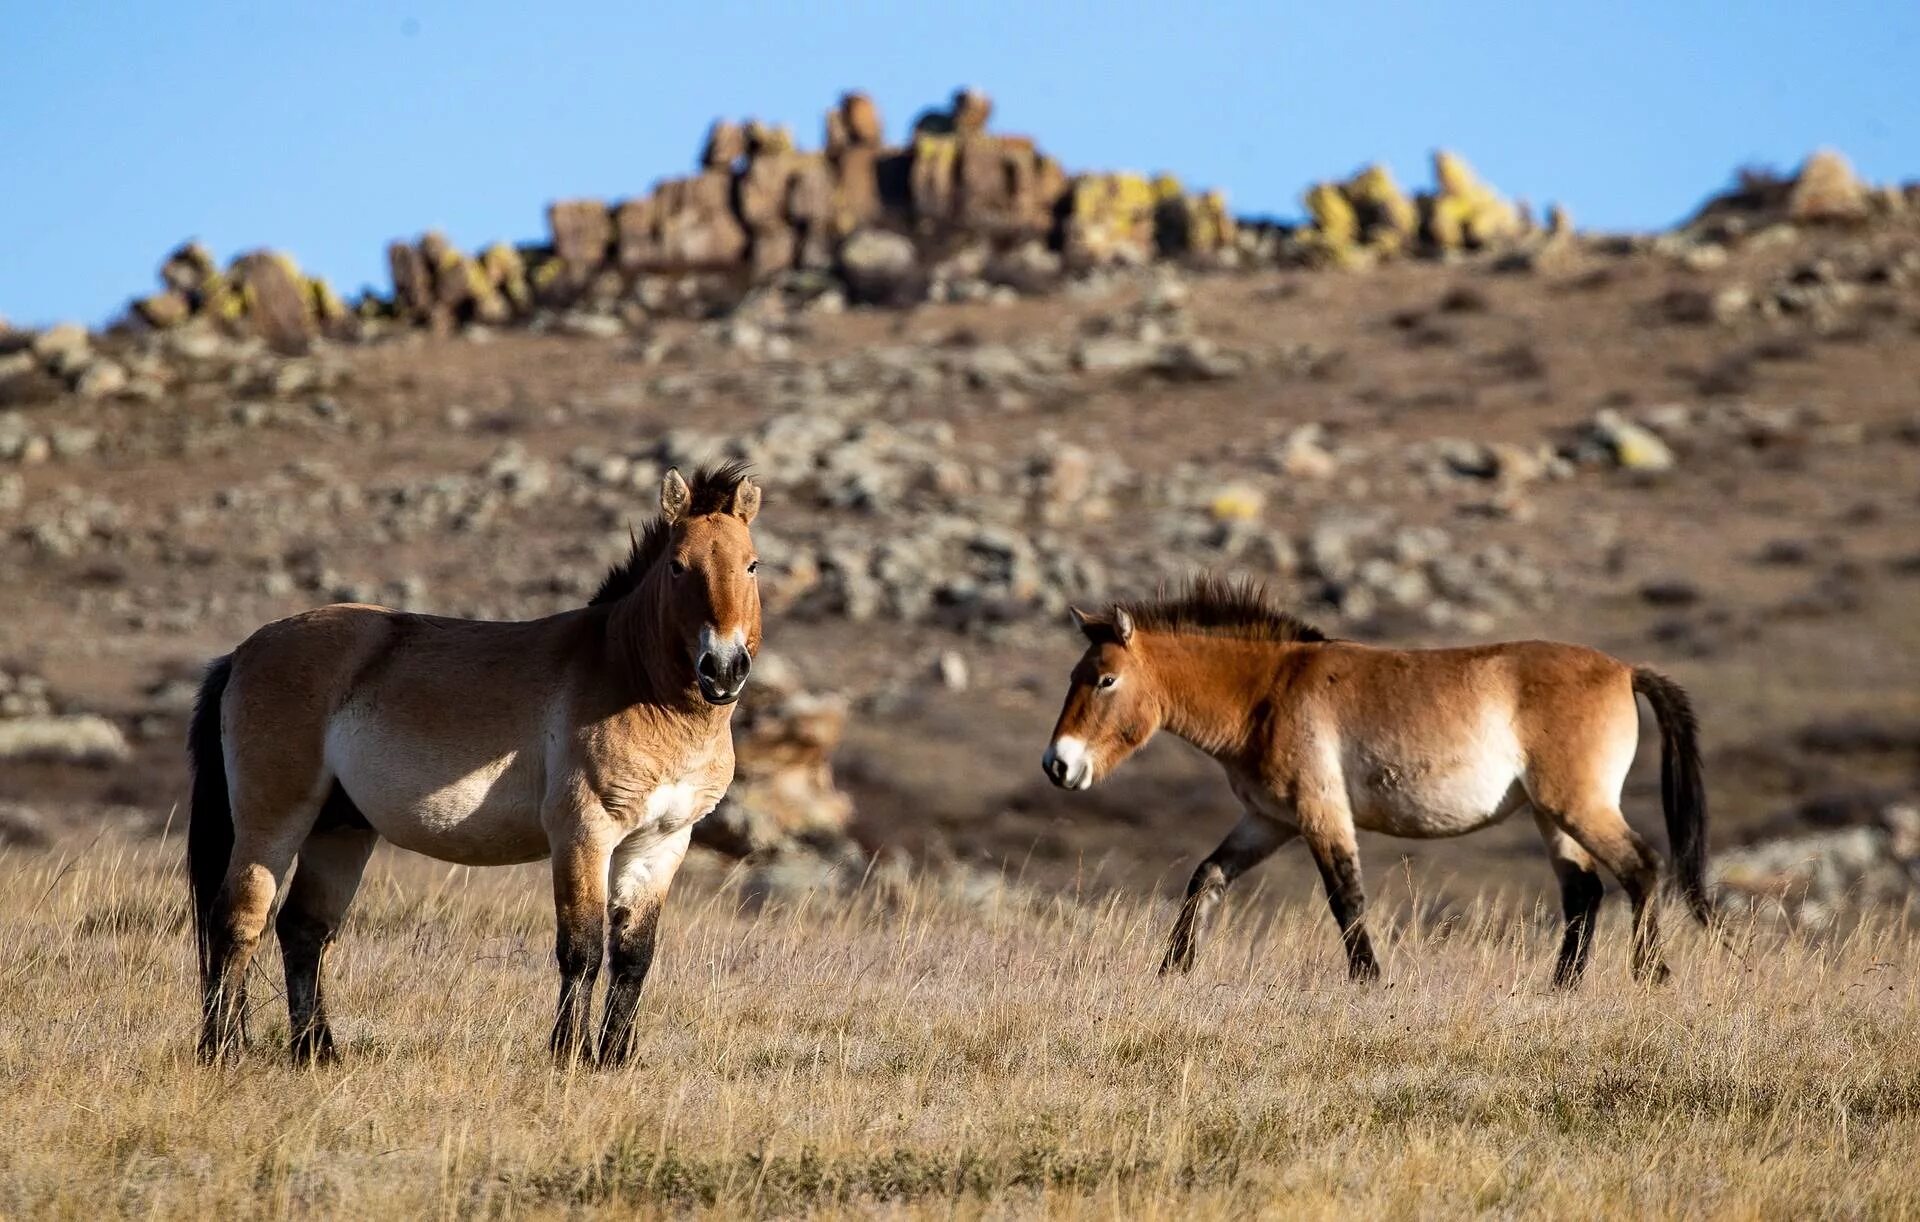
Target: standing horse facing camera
point(596, 737)
point(1320, 736)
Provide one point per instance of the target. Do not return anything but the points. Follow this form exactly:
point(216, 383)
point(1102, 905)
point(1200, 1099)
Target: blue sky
point(328, 130)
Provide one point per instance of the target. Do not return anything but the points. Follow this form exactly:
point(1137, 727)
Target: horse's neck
point(647, 661)
point(1211, 686)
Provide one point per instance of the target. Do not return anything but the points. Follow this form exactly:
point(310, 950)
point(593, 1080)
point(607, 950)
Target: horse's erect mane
point(1222, 606)
point(711, 490)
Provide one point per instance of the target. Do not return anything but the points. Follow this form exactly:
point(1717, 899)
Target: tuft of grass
point(910, 1053)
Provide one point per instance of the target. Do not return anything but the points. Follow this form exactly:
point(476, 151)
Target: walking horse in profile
point(1319, 737)
point(596, 738)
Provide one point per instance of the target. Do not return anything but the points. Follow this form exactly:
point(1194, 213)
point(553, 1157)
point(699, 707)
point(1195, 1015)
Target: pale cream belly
point(466, 809)
point(1450, 805)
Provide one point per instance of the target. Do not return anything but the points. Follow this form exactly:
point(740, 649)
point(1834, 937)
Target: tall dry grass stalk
point(911, 1053)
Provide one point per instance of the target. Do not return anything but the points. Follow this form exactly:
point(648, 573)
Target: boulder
point(412, 281)
point(189, 269)
point(1632, 447)
point(1826, 190)
point(693, 226)
point(882, 268)
point(1387, 220)
point(275, 296)
point(582, 236)
point(726, 145)
point(1463, 212)
point(971, 109)
point(768, 138)
point(1185, 224)
point(856, 188)
point(854, 124)
point(506, 271)
point(1109, 219)
point(783, 792)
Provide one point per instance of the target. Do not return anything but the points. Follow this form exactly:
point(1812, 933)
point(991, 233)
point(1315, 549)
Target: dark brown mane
point(1222, 606)
point(712, 488)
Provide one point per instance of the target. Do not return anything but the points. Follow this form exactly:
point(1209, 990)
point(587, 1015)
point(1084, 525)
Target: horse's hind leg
point(239, 917)
point(324, 881)
point(1327, 826)
point(271, 818)
point(1580, 892)
point(1251, 842)
point(1603, 831)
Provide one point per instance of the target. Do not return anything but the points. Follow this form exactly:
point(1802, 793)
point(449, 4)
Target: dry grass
point(923, 1056)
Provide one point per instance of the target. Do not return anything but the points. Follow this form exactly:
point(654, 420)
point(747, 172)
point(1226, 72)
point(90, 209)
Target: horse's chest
point(674, 804)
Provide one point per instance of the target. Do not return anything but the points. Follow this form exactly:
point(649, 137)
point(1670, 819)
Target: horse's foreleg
point(1251, 842)
point(324, 881)
point(1327, 827)
point(580, 905)
point(639, 878)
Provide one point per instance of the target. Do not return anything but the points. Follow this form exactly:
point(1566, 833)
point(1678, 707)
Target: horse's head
point(1112, 707)
point(712, 595)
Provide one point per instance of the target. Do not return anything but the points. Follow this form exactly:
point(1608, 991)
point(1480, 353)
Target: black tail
point(210, 816)
point(1683, 786)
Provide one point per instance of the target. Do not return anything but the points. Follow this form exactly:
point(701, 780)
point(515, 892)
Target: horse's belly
point(475, 812)
point(1422, 803)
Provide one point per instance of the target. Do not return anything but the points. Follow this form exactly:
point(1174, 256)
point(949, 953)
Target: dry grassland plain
point(912, 1052)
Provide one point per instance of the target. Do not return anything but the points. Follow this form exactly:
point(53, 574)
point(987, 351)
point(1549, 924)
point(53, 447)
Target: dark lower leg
point(1648, 964)
point(324, 882)
point(1205, 890)
point(631, 947)
point(303, 946)
point(1580, 893)
point(580, 947)
point(1340, 873)
point(1251, 842)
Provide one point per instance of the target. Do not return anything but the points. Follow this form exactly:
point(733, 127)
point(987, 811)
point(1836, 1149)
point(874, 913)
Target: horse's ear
point(1122, 624)
point(1089, 626)
point(746, 501)
point(674, 496)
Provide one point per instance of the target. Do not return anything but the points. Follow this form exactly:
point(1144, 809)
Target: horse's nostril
point(1057, 768)
point(709, 666)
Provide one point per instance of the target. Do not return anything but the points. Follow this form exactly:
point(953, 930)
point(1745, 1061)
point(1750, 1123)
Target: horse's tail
point(210, 814)
point(1683, 788)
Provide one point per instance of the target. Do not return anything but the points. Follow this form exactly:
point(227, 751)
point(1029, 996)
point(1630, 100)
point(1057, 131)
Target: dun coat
point(1319, 737)
point(595, 737)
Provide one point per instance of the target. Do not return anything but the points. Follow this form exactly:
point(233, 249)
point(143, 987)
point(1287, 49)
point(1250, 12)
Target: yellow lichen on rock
point(324, 304)
point(1465, 212)
point(1387, 219)
point(1110, 218)
point(507, 272)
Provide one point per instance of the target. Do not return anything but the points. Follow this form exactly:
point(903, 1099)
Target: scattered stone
point(951, 666)
point(80, 738)
point(1632, 447)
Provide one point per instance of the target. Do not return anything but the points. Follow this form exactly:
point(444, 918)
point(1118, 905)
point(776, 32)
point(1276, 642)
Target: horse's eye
point(676, 568)
point(1109, 680)
point(753, 566)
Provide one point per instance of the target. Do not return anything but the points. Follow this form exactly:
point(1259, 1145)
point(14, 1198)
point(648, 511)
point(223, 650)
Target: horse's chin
point(718, 697)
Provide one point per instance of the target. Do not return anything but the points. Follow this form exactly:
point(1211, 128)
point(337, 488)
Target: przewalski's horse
point(595, 737)
point(1320, 736)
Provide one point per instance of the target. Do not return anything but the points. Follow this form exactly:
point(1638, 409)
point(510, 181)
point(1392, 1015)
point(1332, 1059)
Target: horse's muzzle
point(1068, 764)
point(723, 674)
